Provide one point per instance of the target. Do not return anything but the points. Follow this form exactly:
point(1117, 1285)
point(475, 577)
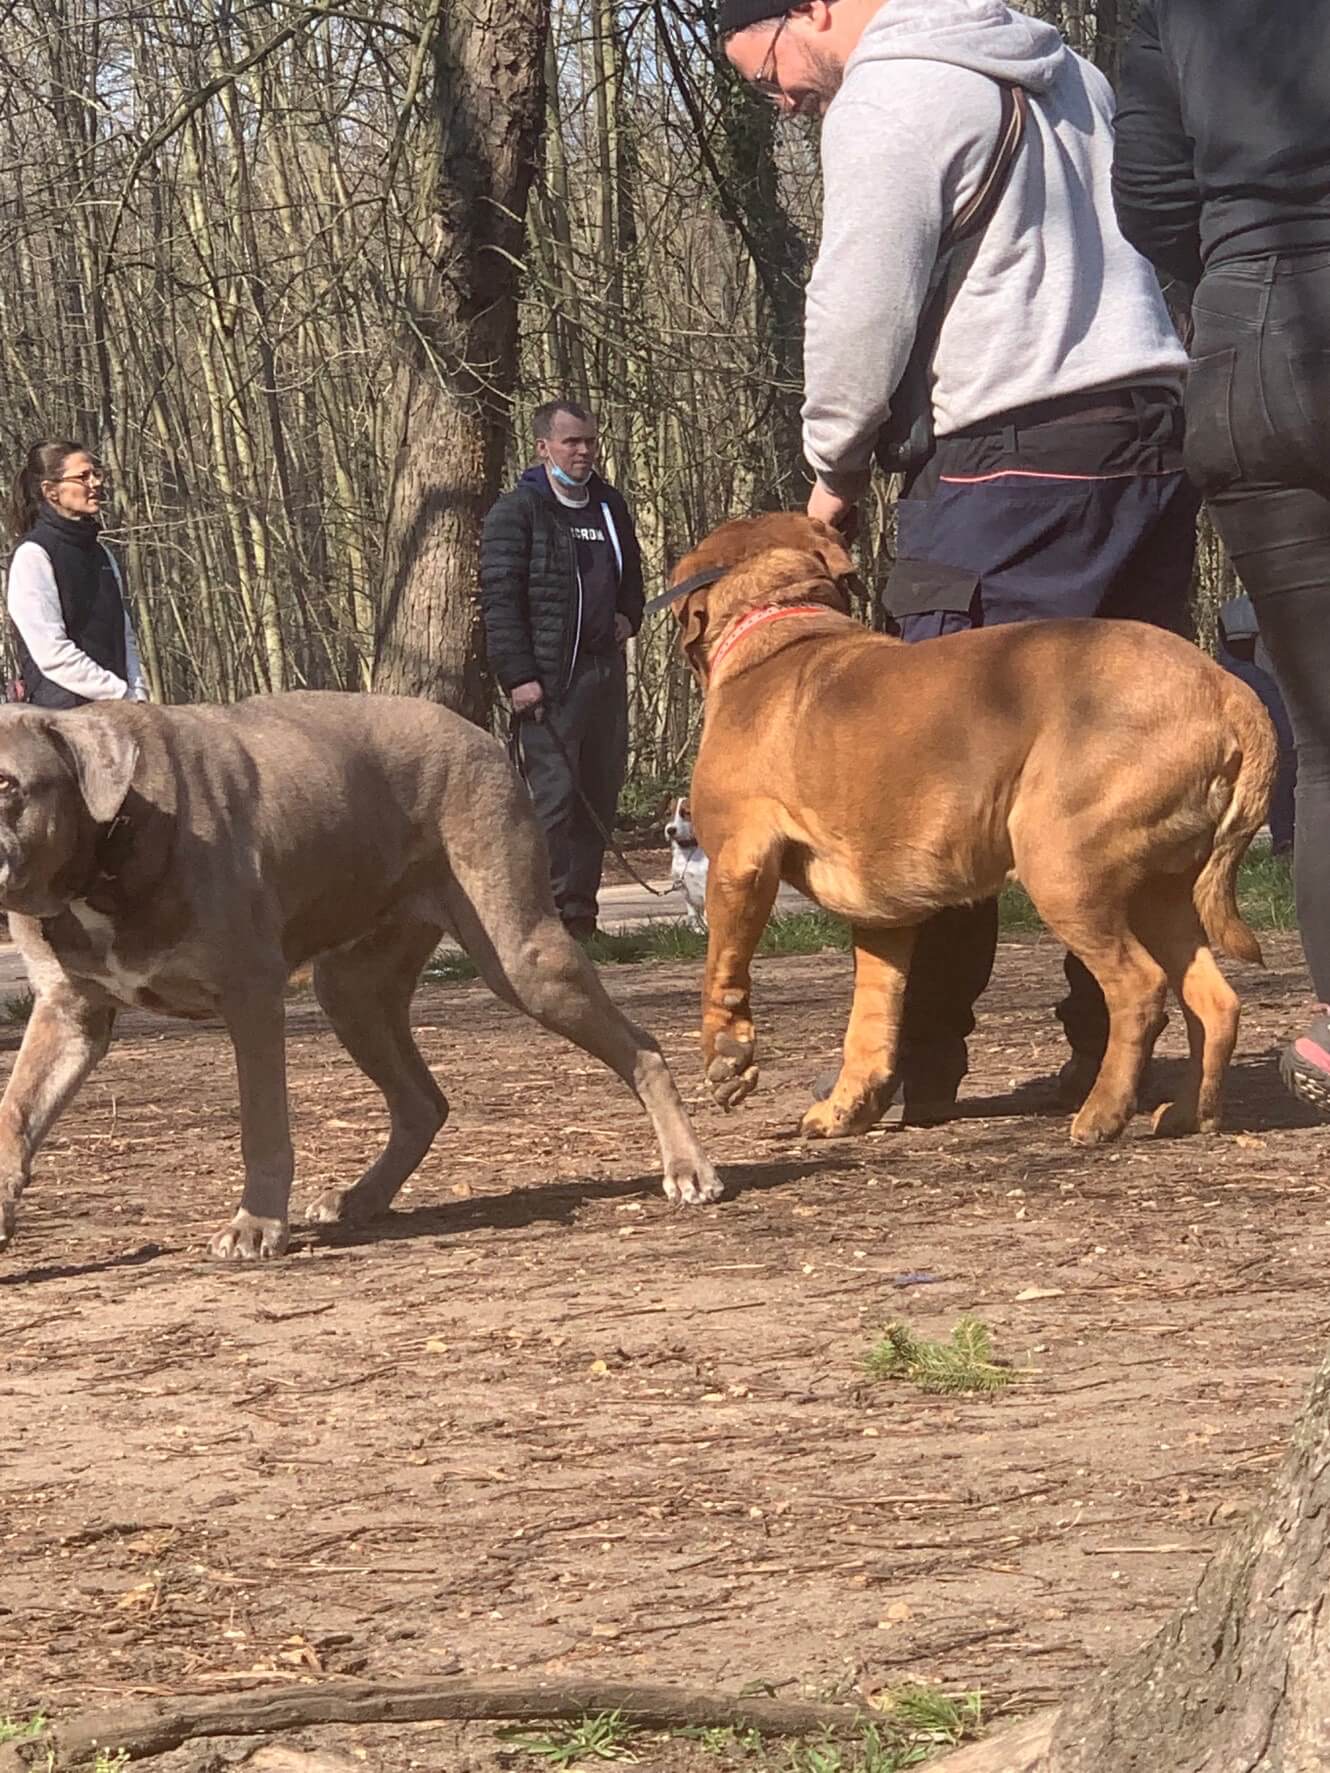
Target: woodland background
point(255, 255)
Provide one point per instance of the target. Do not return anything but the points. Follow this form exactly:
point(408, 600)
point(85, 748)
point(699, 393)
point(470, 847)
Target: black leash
point(698, 582)
point(515, 722)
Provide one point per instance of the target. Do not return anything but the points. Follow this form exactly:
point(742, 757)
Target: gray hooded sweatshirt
point(1055, 301)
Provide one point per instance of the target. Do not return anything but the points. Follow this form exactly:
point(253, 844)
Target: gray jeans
point(591, 720)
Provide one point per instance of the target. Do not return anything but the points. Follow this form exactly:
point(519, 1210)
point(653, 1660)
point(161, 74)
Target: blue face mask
point(564, 478)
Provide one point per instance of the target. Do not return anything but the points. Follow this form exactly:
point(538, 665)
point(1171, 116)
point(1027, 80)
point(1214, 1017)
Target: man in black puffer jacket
point(561, 593)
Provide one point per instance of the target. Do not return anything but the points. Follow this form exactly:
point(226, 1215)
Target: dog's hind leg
point(365, 990)
point(1165, 918)
point(66, 1036)
point(872, 1038)
point(742, 883)
point(499, 903)
point(1090, 917)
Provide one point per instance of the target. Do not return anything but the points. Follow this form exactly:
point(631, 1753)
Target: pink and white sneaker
point(1304, 1065)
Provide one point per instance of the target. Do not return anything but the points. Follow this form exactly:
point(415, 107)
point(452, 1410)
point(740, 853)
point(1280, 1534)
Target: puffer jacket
point(530, 594)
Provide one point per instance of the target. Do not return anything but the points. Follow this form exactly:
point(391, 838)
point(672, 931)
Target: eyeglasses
point(88, 478)
point(765, 81)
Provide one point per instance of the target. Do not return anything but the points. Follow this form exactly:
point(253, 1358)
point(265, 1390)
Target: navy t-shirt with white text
point(598, 565)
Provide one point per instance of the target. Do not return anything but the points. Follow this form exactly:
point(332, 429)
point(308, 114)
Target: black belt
point(1094, 403)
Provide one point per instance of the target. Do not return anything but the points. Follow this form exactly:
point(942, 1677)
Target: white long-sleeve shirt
point(33, 601)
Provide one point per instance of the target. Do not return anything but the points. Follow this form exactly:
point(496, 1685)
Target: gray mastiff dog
point(186, 860)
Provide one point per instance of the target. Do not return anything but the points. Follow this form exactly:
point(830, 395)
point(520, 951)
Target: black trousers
point(1073, 508)
point(1258, 446)
point(590, 720)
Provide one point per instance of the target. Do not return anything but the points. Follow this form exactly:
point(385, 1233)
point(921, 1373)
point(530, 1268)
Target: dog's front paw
point(8, 1222)
point(824, 1120)
point(691, 1182)
point(731, 1074)
point(1098, 1126)
point(249, 1239)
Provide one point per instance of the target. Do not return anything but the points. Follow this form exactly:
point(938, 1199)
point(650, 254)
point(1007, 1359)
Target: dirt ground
point(543, 1422)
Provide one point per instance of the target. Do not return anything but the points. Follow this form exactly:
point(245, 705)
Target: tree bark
point(458, 364)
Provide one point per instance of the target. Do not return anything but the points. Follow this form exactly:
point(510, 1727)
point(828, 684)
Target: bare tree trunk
point(567, 315)
point(458, 362)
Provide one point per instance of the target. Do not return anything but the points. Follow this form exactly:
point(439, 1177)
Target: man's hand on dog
point(528, 698)
point(829, 507)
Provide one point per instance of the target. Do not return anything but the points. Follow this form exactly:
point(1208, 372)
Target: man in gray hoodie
point(1055, 487)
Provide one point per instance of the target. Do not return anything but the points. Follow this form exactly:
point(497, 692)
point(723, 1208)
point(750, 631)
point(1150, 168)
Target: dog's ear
point(829, 547)
point(693, 616)
point(104, 757)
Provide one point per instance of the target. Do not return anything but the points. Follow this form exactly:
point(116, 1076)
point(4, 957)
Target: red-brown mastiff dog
point(1112, 768)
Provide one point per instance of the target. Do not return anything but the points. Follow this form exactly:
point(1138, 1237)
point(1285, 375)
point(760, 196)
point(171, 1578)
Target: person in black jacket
point(1221, 178)
point(561, 594)
point(64, 591)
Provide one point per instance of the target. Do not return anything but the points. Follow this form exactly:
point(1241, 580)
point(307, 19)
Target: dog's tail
point(1239, 796)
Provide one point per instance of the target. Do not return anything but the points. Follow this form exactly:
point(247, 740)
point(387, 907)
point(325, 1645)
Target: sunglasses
point(90, 477)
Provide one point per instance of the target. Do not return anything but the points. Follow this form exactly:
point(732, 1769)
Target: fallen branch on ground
point(154, 1727)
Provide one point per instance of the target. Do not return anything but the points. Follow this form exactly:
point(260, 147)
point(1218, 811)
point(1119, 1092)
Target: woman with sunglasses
point(65, 594)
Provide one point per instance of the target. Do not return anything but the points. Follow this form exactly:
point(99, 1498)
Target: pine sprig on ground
point(965, 1363)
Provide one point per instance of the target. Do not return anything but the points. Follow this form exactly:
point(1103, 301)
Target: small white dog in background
point(688, 865)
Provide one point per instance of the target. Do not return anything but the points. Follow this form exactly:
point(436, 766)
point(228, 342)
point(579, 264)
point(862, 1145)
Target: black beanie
point(737, 15)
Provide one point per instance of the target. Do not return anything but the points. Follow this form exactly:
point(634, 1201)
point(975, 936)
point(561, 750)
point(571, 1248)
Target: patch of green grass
point(18, 1008)
point(661, 941)
point(722, 1739)
point(107, 1762)
point(805, 932)
point(1265, 897)
point(917, 1723)
point(931, 1717)
point(1265, 894)
point(801, 932)
point(964, 1364)
point(21, 1730)
point(450, 967)
point(875, 1751)
point(605, 1737)
point(1265, 891)
point(1016, 915)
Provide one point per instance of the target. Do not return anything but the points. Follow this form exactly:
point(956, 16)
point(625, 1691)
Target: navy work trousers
point(1076, 507)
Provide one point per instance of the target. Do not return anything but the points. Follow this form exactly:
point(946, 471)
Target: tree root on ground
point(1020, 1749)
point(155, 1727)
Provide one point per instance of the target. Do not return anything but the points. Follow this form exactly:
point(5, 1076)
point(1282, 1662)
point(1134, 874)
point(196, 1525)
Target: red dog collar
point(773, 612)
